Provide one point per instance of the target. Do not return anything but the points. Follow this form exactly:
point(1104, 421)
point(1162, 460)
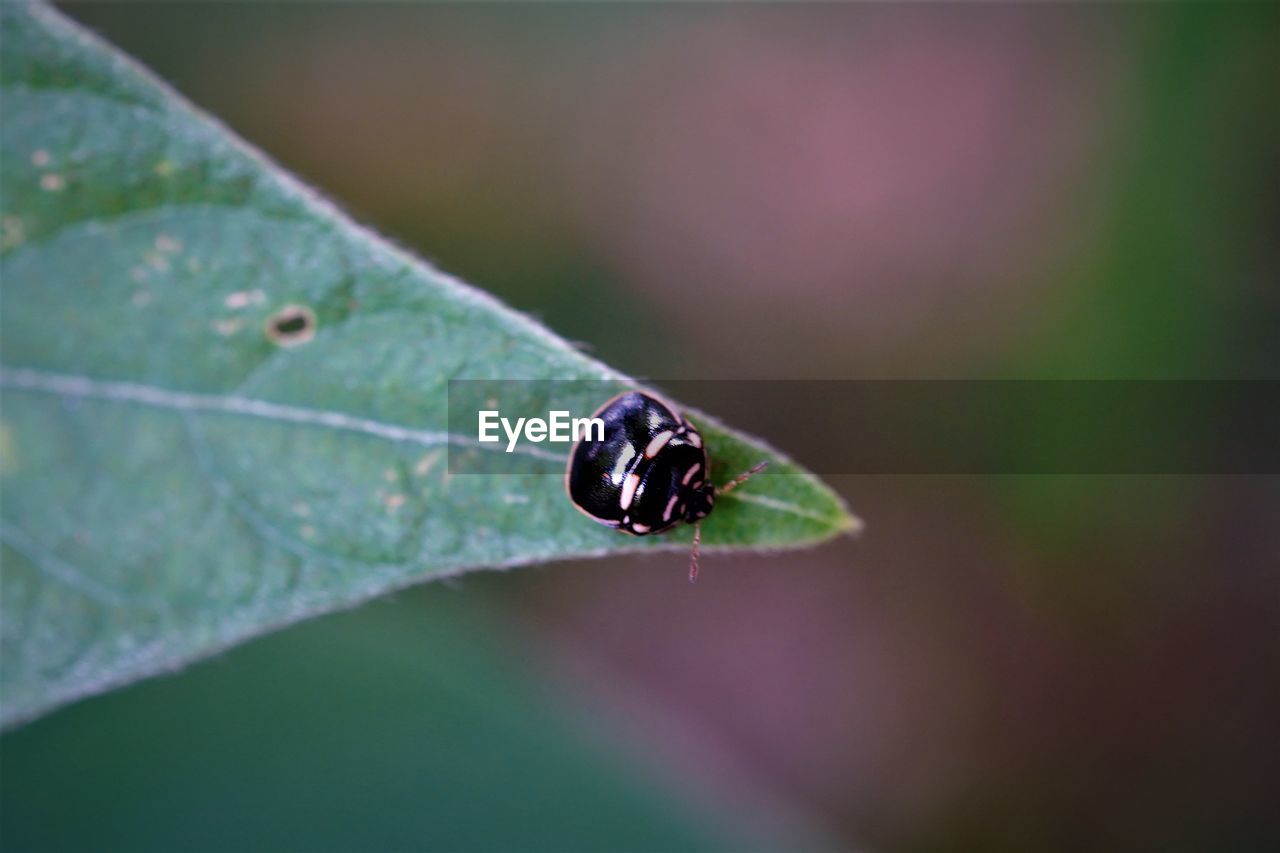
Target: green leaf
point(358, 741)
point(175, 478)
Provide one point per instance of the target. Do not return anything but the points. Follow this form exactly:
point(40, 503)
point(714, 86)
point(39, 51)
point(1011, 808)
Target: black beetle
point(648, 474)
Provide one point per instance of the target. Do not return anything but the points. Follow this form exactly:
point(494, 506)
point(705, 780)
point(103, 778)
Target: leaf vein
point(57, 569)
point(185, 401)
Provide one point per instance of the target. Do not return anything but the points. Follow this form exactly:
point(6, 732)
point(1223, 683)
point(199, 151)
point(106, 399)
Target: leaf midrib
point(185, 402)
point(65, 384)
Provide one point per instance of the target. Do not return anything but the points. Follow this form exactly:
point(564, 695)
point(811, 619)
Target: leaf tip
point(849, 524)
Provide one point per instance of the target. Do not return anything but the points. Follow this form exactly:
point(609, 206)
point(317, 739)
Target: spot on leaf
point(291, 325)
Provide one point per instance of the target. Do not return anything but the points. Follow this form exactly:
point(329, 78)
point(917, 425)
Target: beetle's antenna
point(742, 478)
point(693, 562)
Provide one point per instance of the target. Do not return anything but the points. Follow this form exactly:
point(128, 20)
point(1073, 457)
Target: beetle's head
point(699, 503)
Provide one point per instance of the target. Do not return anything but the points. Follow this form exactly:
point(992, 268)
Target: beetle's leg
point(742, 478)
point(693, 562)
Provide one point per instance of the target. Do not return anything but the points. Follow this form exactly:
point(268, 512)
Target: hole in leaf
point(291, 325)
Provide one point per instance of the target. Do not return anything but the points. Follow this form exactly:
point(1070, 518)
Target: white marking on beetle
point(656, 443)
point(640, 528)
point(671, 505)
point(629, 487)
point(694, 439)
point(688, 475)
point(625, 455)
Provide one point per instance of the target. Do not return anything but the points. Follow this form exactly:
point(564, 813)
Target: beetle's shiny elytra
point(648, 474)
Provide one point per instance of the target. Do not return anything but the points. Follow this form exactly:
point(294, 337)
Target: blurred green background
point(764, 191)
